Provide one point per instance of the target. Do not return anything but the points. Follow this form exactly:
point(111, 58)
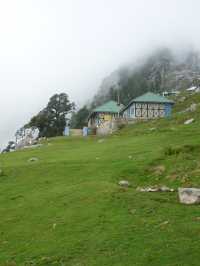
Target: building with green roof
point(148, 106)
point(104, 113)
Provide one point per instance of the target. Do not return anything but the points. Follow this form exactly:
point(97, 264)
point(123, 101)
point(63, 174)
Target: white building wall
point(130, 112)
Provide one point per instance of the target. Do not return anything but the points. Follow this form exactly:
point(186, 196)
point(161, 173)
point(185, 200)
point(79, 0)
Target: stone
point(124, 183)
point(147, 189)
point(189, 121)
point(34, 159)
point(164, 223)
point(189, 195)
point(130, 157)
point(133, 211)
point(166, 189)
point(54, 226)
point(193, 107)
point(155, 189)
point(152, 129)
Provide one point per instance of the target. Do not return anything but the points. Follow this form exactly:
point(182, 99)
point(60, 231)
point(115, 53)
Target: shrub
point(188, 148)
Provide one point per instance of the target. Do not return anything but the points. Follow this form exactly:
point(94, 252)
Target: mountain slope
point(67, 208)
point(162, 70)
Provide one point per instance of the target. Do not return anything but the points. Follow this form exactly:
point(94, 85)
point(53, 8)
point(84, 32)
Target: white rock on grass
point(193, 107)
point(189, 195)
point(152, 129)
point(124, 183)
point(34, 159)
point(166, 189)
point(155, 189)
point(189, 121)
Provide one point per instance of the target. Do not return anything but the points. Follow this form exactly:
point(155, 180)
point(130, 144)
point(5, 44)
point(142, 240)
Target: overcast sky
point(49, 46)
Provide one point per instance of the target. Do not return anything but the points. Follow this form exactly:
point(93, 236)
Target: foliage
point(79, 119)
point(51, 121)
point(20, 134)
point(170, 150)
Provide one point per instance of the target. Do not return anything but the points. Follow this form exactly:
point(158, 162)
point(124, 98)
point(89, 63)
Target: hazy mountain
point(163, 70)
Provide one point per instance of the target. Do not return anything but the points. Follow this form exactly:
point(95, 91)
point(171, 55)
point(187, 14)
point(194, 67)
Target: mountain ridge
point(163, 70)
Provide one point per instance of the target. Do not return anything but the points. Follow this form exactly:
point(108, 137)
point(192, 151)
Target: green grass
point(67, 208)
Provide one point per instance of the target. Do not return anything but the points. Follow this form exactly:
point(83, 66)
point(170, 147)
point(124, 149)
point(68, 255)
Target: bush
point(189, 148)
point(121, 126)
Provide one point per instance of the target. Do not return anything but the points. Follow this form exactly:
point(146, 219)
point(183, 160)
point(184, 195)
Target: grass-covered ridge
point(67, 208)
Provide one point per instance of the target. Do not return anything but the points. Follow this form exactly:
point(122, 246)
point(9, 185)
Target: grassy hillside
point(67, 208)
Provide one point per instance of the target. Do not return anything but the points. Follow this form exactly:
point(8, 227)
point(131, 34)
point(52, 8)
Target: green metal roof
point(149, 97)
point(109, 107)
point(152, 98)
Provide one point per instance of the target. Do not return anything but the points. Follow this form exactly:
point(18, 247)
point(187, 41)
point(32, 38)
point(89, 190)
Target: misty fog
point(71, 45)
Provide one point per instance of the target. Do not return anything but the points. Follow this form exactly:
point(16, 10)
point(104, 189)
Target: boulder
point(124, 183)
point(189, 121)
point(189, 195)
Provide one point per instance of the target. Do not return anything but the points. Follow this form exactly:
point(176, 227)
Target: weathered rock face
point(124, 183)
point(189, 195)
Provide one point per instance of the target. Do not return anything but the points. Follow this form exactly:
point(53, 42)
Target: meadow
point(66, 208)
